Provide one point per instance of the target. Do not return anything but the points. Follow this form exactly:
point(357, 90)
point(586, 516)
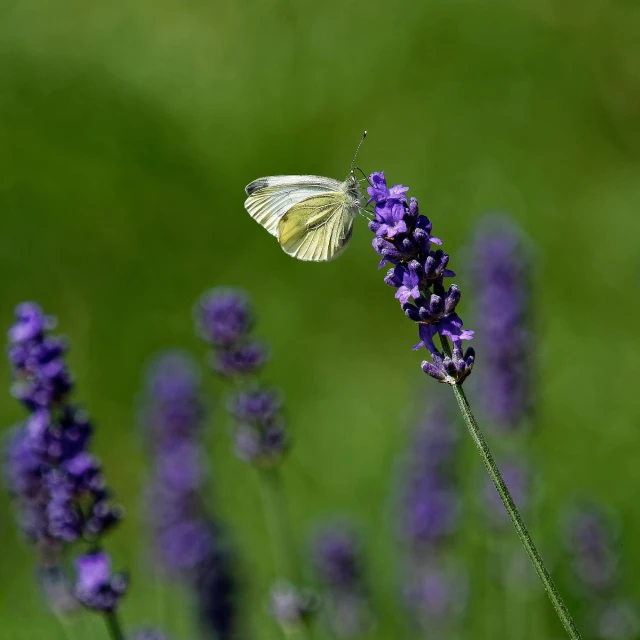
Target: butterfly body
point(311, 216)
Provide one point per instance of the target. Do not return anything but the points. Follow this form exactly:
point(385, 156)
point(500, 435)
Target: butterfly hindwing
point(317, 228)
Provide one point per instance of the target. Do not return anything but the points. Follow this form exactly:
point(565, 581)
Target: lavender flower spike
point(502, 279)
point(224, 320)
point(429, 515)
point(259, 433)
point(57, 485)
point(336, 556)
point(189, 542)
point(403, 238)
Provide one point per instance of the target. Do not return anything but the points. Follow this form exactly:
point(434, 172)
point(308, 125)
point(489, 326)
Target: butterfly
point(311, 216)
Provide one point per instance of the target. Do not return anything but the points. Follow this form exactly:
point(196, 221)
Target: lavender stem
point(113, 625)
point(277, 517)
point(282, 542)
point(509, 504)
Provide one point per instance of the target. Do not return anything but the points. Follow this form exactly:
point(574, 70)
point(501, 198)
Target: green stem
point(277, 517)
point(282, 540)
point(512, 510)
point(113, 625)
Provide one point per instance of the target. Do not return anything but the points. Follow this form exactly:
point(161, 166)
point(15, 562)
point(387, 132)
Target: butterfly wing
point(318, 228)
point(270, 198)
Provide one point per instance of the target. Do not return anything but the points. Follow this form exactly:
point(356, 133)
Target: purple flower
point(57, 485)
point(255, 405)
point(336, 556)
point(148, 633)
point(96, 588)
point(403, 237)
point(223, 317)
point(224, 320)
point(618, 620)
point(429, 499)
point(436, 594)
point(429, 517)
point(591, 540)
point(290, 606)
point(260, 435)
point(243, 359)
point(259, 430)
point(189, 543)
point(379, 192)
point(59, 490)
point(391, 219)
point(502, 277)
point(31, 323)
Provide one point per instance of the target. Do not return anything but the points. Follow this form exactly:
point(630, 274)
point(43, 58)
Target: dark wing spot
point(256, 185)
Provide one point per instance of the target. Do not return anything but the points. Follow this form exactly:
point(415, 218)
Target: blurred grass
point(127, 133)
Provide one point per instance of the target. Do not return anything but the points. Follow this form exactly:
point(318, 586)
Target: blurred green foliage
point(128, 130)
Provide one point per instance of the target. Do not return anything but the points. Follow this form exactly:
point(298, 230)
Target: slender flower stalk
point(224, 320)
point(190, 544)
point(403, 238)
point(60, 492)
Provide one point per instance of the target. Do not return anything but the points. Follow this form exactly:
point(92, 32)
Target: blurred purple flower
point(436, 593)
point(223, 317)
point(290, 607)
point(619, 620)
point(336, 556)
point(591, 540)
point(429, 499)
point(502, 277)
point(259, 430)
point(148, 633)
point(58, 487)
point(189, 542)
point(403, 238)
point(96, 587)
point(429, 516)
point(224, 320)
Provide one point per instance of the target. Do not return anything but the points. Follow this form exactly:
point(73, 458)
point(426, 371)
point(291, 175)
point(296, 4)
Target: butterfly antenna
point(365, 178)
point(355, 155)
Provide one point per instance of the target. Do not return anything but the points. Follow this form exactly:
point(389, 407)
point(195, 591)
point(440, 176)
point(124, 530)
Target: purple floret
point(223, 317)
point(96, 587)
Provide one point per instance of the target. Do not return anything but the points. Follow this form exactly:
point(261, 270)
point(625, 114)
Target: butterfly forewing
point(270, 198)
point(318, 228)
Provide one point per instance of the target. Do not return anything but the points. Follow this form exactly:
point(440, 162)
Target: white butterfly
point(311, 216)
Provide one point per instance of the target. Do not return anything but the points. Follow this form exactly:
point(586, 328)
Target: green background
point(128, 130)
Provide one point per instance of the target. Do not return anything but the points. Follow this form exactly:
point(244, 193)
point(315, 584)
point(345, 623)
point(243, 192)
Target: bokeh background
point(128, 131)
